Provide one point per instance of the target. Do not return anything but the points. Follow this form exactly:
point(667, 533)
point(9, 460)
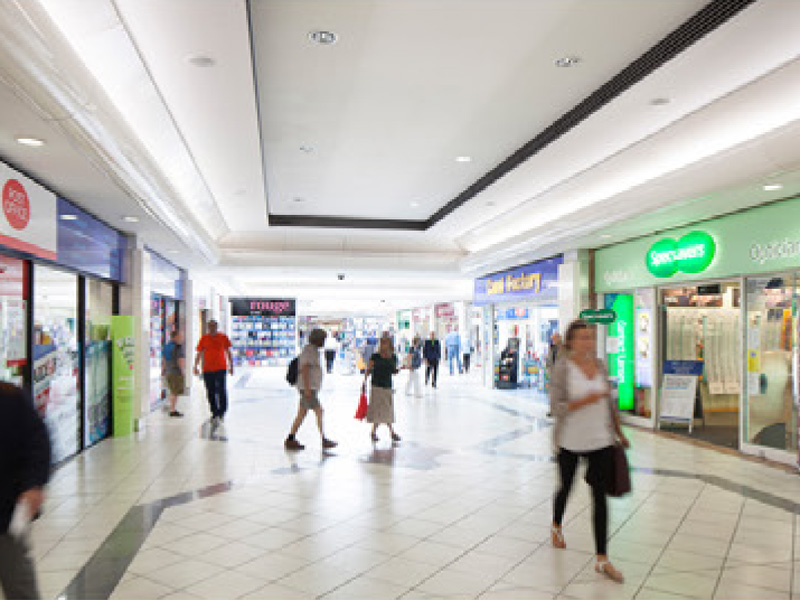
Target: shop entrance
point(523, 336)
point(702, 323)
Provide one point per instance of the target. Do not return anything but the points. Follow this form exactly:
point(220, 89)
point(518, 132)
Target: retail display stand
point(263, 332)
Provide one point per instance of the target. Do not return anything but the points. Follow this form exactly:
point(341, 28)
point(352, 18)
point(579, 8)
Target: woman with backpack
point(414, 363)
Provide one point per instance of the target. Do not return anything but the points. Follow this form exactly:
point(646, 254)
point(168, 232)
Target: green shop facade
point(717, 300)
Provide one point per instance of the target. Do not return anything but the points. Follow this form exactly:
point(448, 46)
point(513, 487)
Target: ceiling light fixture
point(491, 203)
point(201, 60)
point(322, 37)
point(771, 187)
point(660, 101)
point(29, 141)
point(463, 159)
point(69, 217)
point(130, 219)
point(414, 204)
point(567, 61)
point(306, 149)
point(605, 236)
point(298, 200)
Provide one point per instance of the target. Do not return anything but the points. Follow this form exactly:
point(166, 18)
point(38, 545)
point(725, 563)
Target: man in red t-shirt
point(213, 349)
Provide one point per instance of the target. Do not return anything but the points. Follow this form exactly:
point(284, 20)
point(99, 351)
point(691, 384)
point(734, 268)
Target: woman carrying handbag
point(382, 366)
point(587, 426)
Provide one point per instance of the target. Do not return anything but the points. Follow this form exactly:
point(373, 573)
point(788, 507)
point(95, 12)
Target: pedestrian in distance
point(587, 426)
point(466, 350)
point(309, 383)
point(24, 472)
point(214, 352)
point(414, 363)
point(173, 363)
point(432, 354)
point(331, 349)
point(382, 366)
point(452, 343)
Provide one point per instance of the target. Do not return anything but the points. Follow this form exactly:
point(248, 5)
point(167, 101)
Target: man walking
point(309, 382)
point(453, 345)
point(24, 471)
point(213, 349)
point(432, 353)
point(331, 349)
point(173, 359)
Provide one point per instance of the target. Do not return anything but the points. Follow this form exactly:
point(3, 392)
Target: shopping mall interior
point(464, 178)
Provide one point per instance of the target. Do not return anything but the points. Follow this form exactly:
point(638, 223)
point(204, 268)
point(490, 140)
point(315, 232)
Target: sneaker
point(326, 443)
point(214, 421)
point(374, 437)
point(395, 437)
point(293, 444)
point(175, 413)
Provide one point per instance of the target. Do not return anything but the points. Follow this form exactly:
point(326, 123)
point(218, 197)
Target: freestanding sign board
point(123, 373)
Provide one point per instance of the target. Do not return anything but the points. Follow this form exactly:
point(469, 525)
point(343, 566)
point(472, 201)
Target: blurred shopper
point(24, 471)
point(214, 351)
point(173, 363)
point(586, 426)
point(466, 350)
point(452, 343)
point(553, 352)
point(309, 383)
point(432, 354)
point(331, 348)
point(382, 366)
point(414, 362)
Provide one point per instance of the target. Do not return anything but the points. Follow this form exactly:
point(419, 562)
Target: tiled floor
point(459, 509)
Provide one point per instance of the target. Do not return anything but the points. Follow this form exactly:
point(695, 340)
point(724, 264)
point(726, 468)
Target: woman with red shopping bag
point(382, 366)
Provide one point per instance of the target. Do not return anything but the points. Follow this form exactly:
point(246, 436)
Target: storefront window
point(772, 346)
point(523, 341)
point(12, 319)
point(99, 308)
point(55, 358)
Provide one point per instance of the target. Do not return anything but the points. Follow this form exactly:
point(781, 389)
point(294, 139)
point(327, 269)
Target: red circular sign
point(16, 206)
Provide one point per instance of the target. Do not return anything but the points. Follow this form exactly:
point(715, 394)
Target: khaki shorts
point(176, 384)
point(310, 402)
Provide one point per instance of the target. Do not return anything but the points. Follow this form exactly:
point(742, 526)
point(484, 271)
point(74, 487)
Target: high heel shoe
point(557, 538)
point(607, 569)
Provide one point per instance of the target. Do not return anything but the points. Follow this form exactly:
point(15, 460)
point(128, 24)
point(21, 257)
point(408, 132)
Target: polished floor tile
point(461, 508)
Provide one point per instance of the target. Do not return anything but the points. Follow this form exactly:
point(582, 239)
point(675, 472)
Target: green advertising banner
point(621, 364)
point(123, 373)
point(758, 240)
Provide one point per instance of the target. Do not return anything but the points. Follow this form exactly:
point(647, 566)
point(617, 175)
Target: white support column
point(135, 301)
point(573, 286)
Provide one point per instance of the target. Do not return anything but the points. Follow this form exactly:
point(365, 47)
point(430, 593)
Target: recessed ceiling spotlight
point(605, 236)
point(771, 187)
point(173, 251)
point(491, 203)
point(306, 149)
point(201, 60)
point(567, 61)
point(298, 200)
point(130, 219)
point(240, 192)
point(414, 204)
point(29, 141)
point(322, 37)
point(660, 101)
point(69, 217)
point(463, 159)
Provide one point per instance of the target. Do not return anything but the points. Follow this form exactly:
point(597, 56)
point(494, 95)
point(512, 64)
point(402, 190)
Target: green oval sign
point(693, 253)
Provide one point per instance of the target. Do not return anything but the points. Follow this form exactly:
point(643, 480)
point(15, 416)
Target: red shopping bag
point(361, 411)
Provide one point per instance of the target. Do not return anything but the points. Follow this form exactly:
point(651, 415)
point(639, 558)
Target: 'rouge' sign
point(245, 307)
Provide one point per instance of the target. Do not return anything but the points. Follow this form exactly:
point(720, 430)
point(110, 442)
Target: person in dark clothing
point(432, 354)
point(24, 471)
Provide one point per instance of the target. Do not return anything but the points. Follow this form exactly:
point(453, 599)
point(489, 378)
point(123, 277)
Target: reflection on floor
point(459, 509)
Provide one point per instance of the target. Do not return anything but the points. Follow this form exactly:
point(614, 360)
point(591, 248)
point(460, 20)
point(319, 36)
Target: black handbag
point(619, 483)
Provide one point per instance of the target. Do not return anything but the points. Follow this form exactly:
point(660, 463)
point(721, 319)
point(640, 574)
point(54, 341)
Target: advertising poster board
point(123, 371)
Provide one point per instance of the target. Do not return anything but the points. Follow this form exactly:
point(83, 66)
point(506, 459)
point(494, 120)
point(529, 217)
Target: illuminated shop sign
point(692, 253)
point(534, 281)
point(247, 307)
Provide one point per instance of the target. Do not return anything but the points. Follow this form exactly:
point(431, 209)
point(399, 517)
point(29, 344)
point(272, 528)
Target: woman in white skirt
point(382, 365)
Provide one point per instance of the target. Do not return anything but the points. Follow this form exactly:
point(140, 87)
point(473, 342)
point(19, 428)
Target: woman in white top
point(586, 426)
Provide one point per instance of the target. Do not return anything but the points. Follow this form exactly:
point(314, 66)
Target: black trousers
point(431, 368)
point(217, 392)
point(601, 465)
point(466, 362)
point(330, 356)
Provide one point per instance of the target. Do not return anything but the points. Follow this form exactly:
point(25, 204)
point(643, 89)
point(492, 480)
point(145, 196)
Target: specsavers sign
point(28, 222)
point(759, 240)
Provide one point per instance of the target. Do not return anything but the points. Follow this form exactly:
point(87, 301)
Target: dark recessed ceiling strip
point(699, 25)
point(345, 222)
